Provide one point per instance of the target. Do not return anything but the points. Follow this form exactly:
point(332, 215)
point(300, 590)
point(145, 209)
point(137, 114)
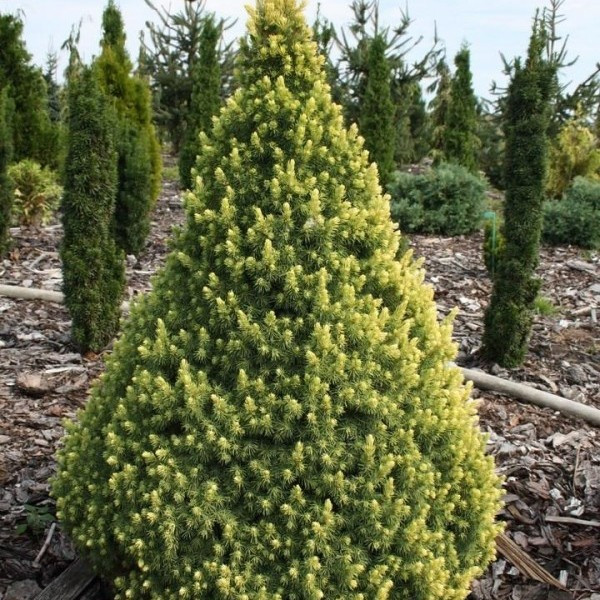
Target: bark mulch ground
point(551, 463)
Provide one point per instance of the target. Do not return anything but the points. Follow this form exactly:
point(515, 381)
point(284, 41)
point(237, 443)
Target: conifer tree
point(405, 74)
point(6, 191)
point(509, 316)
point(460, 134)
point(172, 51)
point(93, 269)
point(33, 134)
point(439, 109)
point(377, 111)
point(205, 101)
point(279, 418)
point(137, 146)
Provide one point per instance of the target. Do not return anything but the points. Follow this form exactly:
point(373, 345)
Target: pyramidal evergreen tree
point(279, 419)
point(205, 100)
point(509, 317)
point(377, 112)
point(460, 133)
point(6, 191)
point(139, 165)
point(93, 267)
point(439, 109)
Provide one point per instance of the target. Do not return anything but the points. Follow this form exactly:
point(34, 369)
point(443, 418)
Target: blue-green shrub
point(575, 219)
point(447, 199)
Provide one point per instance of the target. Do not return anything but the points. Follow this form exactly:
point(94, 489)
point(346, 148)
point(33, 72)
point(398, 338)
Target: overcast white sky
point(488, 26)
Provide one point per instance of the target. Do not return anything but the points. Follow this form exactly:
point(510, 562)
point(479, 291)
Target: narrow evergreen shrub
point(509, 316)
point(447, 200)
point(93, 268)
point(377, 111)
point(36, 192)
point(205, 100)
point(439, 109)
point(575, 219)
point(460, 133)
point(138, 181)
point(134, 194)
point(6, 190)
point(279, 418)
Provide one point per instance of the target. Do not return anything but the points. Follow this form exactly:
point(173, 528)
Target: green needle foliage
point(460, 133)
point(279, 418)
point(93, 269)
point(6, 188)
point(137, 146)
point(509, 316)
point(205, 101)
point(439, 109)
point(377, 111)
point(34, 136)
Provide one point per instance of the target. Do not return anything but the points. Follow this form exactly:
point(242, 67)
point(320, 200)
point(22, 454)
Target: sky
point(488, 27)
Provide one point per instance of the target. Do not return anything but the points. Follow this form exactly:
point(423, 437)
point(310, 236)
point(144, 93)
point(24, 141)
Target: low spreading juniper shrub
point(447, 200)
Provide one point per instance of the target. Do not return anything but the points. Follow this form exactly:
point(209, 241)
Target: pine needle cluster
point(279, 419)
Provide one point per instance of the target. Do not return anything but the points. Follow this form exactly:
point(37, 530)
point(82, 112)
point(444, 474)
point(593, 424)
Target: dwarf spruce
point(279, 419)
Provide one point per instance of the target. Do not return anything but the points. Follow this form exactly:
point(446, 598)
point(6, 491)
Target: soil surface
point(551, 463)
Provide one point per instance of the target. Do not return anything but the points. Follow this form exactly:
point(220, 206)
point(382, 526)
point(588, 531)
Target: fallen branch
point(572, 521)
point(16, 291)
point(38, 558)
point(25, 293)
point(524, 563)
point(483, 381)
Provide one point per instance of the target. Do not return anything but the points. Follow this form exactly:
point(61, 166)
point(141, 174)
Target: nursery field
point(551, 463)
